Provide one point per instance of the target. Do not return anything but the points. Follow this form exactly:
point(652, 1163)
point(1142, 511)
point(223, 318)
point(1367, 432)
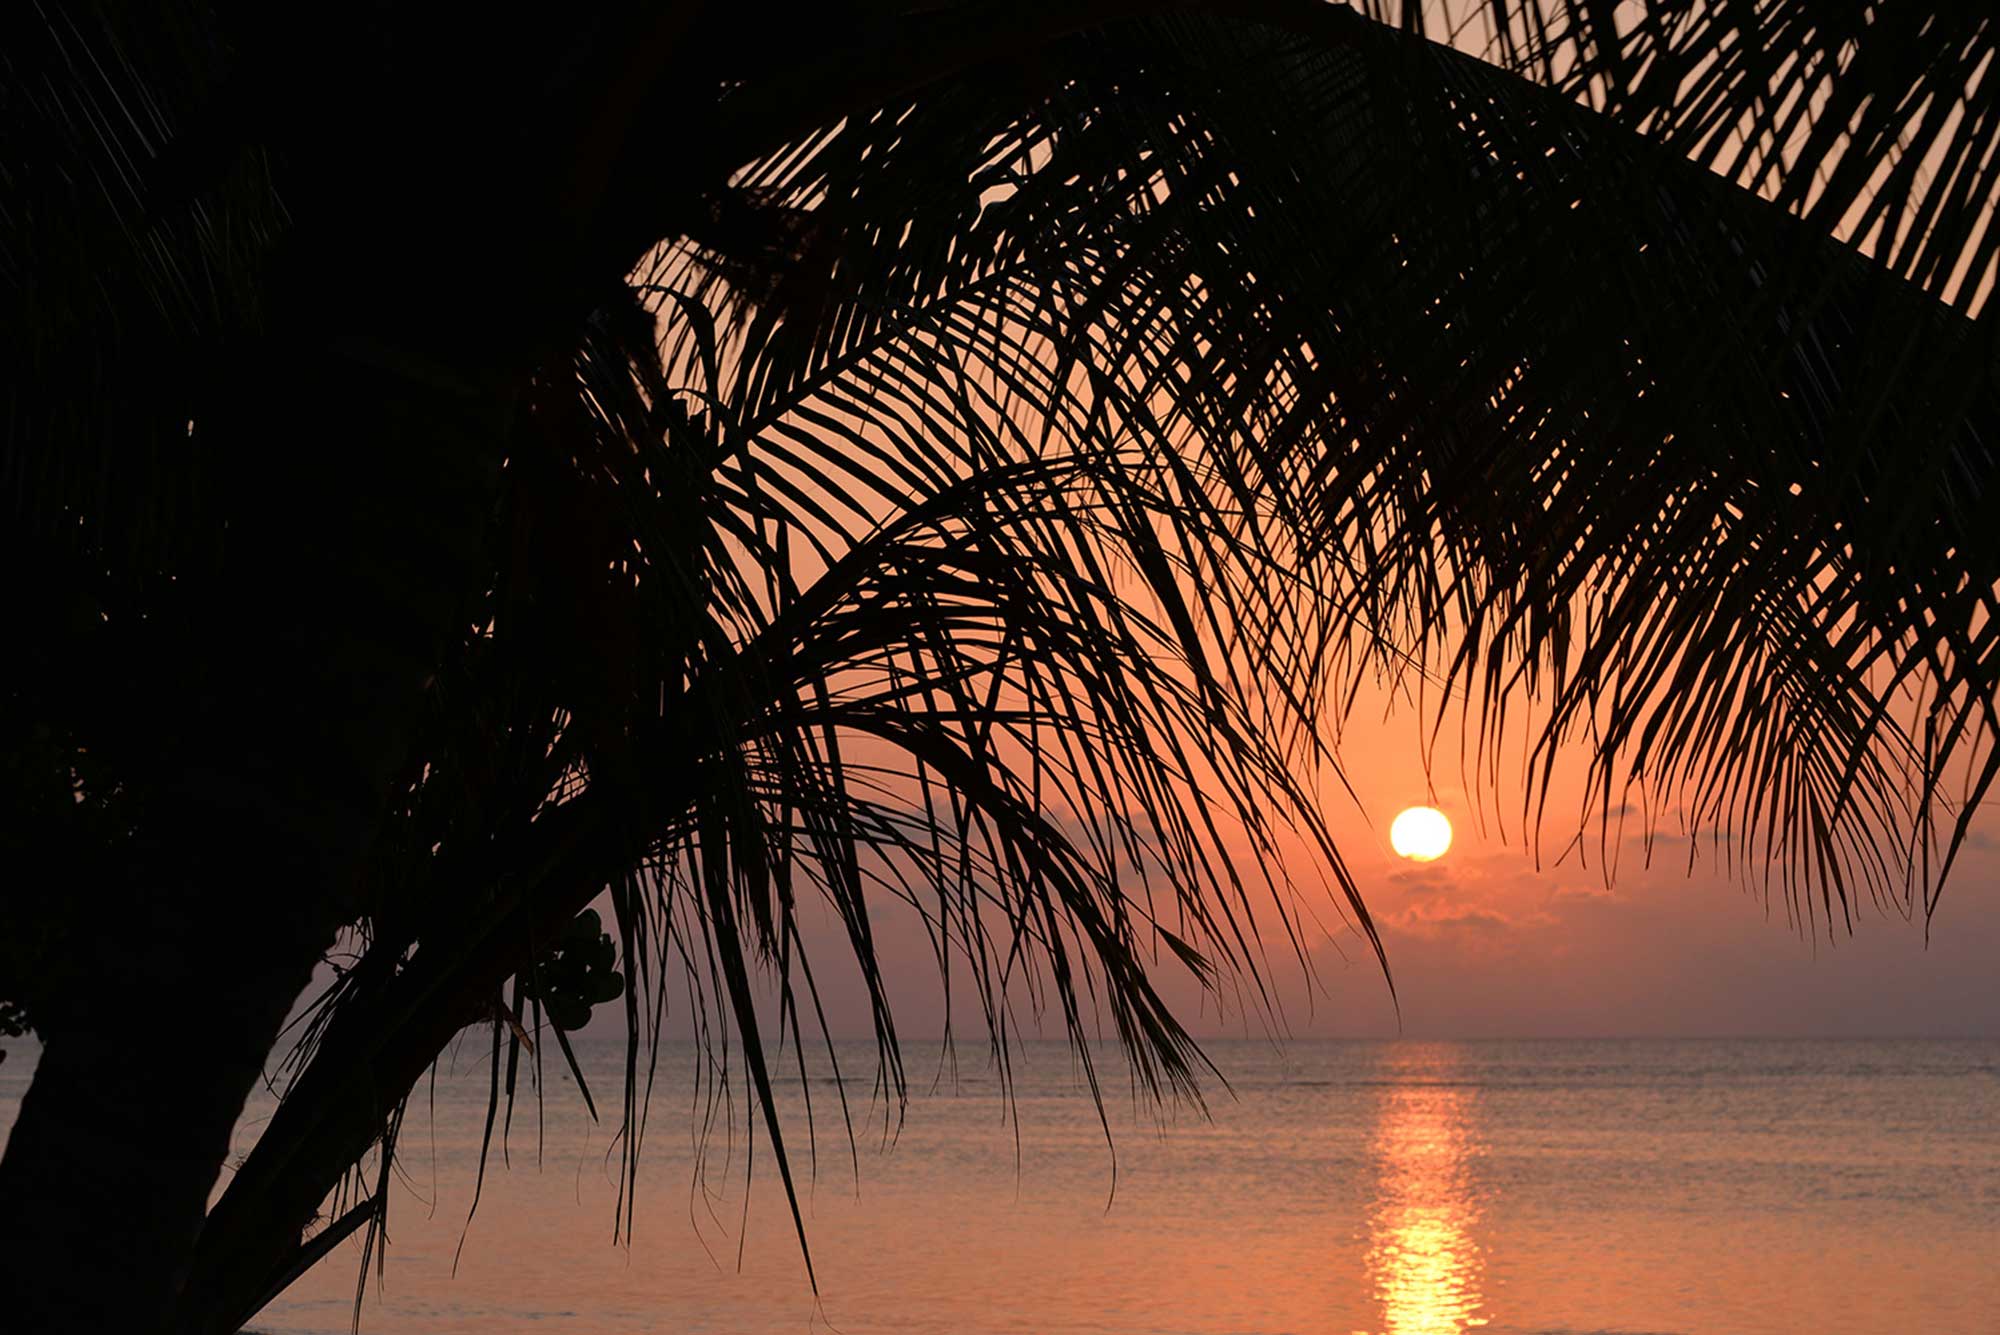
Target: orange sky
point(1484, 942)
point(1492, 940)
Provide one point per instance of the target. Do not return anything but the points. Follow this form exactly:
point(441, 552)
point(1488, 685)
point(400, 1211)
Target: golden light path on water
point(1423, 1260)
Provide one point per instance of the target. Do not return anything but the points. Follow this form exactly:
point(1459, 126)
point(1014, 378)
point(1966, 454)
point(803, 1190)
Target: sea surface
point(1397, 1188)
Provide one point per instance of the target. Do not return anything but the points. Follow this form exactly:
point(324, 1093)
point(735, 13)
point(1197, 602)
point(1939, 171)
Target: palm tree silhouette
point(964, 456)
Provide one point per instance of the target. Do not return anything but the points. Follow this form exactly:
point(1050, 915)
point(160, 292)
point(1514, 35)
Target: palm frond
point(1361, 288)
point(133, 248)
point(1875, 123)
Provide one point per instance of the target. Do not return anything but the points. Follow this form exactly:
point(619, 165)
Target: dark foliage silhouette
point(964, 456)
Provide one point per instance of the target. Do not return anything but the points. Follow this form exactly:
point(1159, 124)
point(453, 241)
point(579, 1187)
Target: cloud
point(1458, 869)
point(1423, 880)
point(1680, 838)
point(1431, 918)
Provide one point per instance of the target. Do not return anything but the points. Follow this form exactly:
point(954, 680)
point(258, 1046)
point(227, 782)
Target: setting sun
point(1421, 834)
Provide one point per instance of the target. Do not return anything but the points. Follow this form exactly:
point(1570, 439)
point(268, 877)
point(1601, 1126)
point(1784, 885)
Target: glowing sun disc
point(1421, 834)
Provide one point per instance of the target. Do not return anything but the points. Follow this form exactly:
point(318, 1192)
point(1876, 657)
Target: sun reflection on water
point(1426, 1266)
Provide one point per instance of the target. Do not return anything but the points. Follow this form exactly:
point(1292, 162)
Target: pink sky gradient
point(1484, 942)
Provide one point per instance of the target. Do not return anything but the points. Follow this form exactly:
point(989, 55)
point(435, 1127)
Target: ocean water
point(1402, 1188)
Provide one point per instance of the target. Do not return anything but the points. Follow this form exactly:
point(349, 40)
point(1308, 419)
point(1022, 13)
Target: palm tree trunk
point(116, 1148)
